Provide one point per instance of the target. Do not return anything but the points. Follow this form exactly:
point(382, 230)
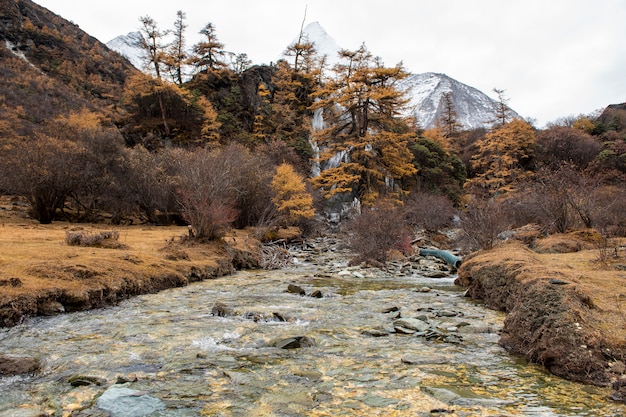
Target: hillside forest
point(204, 137)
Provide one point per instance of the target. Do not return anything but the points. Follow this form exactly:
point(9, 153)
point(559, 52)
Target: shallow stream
point(208, 349)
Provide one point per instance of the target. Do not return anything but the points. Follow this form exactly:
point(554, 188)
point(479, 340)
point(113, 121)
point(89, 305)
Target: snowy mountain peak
point(425, 91)
point(128, 46)
point(325, 45)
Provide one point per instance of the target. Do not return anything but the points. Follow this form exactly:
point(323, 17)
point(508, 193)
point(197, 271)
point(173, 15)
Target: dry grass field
point(40, 273)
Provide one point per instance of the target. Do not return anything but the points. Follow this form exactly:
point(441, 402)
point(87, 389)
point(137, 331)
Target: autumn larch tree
point(293, 202)
point(362, 105)
point(152, 104)
point(501, 111)
point(504, 156)
point(449, 119)
point(176, 56)
point(208, 54)
point(152, 44)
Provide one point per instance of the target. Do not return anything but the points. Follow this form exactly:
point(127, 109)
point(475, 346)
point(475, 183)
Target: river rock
point(221, 310)
point(416, 325)
point(316, 294)
point(421, 360)
point(447, 313)
point(121, 401)
point(295, 289)
point(15, 365)
point(375, 333)
point(295, 342)
point(84, 380)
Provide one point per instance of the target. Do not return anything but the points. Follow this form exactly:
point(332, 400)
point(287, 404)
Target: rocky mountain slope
point(49, 66)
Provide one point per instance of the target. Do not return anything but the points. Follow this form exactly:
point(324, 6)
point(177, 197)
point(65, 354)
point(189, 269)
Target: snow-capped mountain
point(128, 46)
point(425, 91)
point(325, 45)
point(473, 108)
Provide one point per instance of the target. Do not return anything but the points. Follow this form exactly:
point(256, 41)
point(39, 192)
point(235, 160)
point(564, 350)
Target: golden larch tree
point(362, 105)
point(503, 157)
point(291, 198)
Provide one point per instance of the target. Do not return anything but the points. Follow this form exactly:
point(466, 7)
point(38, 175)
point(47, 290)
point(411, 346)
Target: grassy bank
point(41, 274)
point(566, 311)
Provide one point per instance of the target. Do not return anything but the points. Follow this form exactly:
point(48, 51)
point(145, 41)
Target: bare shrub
point(481, 223)
point(431, 212)
point(559, 144)
point(611, 206)
point(104, 239)
point(206, 193)
point(376, 230)
point(564, 199)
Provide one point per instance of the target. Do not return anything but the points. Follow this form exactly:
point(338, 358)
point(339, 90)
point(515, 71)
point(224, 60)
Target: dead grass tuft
point(104, 239)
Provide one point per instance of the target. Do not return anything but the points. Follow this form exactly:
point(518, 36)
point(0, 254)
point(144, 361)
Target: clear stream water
point(174, 351)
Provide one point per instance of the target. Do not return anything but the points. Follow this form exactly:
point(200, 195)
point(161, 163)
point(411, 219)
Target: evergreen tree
point(208, 54)
point(362, 105)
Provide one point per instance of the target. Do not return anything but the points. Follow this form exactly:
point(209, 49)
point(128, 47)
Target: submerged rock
point(295, 289)
point(316, 294)
point(295, 342)
point(23, 412)
point(15, 365)
point(122, 401)
point(221, 310)
point(416, 325)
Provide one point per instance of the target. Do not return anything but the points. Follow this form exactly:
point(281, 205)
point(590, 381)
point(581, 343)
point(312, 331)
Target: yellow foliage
point(585, 124)
point(501, 156)
point(291, 198)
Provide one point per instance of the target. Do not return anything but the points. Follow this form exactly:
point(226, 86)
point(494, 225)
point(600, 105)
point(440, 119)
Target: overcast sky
point(553, 58)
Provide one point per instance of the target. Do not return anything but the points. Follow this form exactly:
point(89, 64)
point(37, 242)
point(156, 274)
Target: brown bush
point(560, 144)
point(224, 187)
point(481, 223)
point(377, 230)
point(428, 211)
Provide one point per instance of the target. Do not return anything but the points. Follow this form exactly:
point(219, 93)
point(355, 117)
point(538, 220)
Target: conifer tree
point(293, 202)
point(449, 119)
point(502, 111)
point(362, 105)
point(152, 44)
point(504, 156)
point(177, 55)
point(208, 53)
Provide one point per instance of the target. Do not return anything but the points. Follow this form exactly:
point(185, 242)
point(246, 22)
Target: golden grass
point(601, 278)
point(150, 256)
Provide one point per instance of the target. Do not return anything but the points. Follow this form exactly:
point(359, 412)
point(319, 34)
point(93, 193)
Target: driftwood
point(274, 257)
